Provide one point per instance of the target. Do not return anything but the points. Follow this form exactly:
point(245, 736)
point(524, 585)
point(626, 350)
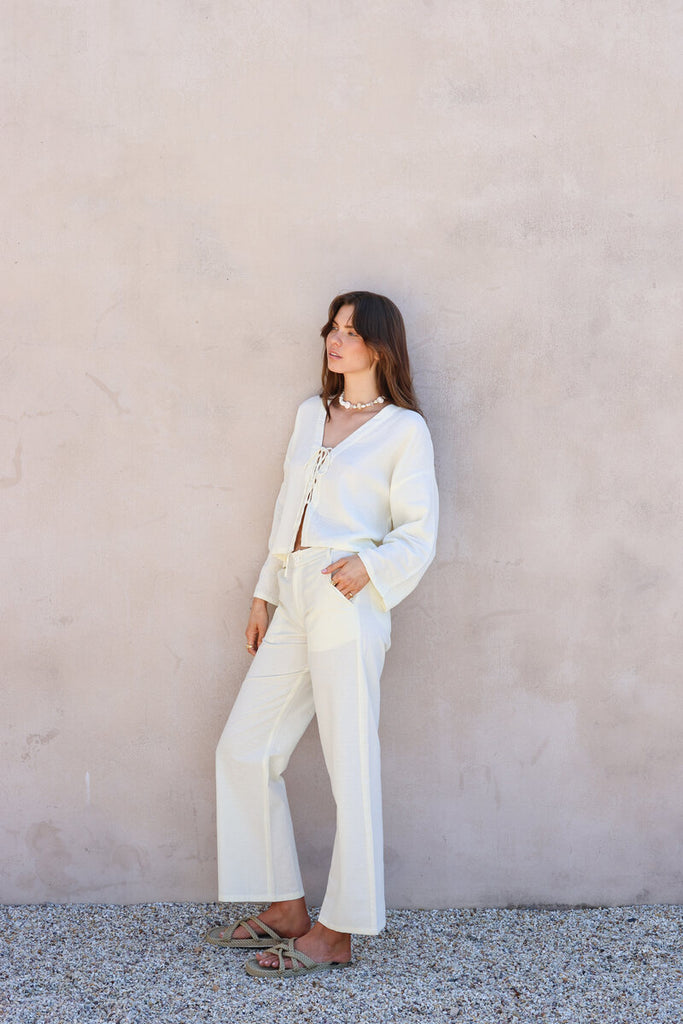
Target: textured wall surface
point(186, 185)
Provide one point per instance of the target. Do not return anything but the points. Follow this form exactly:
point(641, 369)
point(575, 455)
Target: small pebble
point(91, 964)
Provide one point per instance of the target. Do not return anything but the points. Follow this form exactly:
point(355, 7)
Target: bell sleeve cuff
point(267, 586)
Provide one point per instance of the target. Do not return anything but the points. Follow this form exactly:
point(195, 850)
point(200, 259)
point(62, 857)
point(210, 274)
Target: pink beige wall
point(185, 186)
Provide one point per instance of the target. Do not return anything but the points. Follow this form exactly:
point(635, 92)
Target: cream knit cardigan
point(373, 493)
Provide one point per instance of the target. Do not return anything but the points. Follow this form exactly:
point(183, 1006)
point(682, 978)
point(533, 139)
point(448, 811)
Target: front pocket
point(338, 593)
point(335, 554)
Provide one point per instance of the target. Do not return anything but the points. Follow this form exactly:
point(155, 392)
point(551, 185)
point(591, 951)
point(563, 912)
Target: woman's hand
point(257, 625)
point(348, 575)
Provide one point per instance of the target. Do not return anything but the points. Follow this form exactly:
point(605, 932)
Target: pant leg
point(347, 642)
point(257, 858)
point(323, 653)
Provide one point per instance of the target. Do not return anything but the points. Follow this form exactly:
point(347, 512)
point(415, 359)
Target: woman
point(354, 531)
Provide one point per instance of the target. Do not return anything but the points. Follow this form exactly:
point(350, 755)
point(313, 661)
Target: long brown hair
point(380, 325)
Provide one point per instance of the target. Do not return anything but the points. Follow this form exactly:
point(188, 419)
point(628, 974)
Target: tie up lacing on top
point(316, 467)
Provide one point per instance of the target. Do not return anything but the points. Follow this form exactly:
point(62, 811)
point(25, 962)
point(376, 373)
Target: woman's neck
point(360, 391)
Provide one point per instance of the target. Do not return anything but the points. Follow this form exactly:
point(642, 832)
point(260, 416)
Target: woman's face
point(346, 350)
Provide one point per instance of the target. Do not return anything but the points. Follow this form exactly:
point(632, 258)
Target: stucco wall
point(186, 185)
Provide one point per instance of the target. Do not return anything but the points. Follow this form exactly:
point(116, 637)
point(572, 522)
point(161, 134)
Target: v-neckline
point(366, 423)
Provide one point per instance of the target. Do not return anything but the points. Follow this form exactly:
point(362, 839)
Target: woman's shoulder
point(410, 435)
point(408, 415)
point(307, 413)
point(410, 421)
point(310, 404)
point(309, 409)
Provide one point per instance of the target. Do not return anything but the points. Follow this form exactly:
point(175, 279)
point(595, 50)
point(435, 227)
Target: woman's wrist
point(258, 602)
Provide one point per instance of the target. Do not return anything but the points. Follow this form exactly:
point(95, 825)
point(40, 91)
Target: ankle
point(332, 937)
point(288, 910)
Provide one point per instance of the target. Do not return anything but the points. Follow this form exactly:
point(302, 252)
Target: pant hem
point(353, 929)
point(260, 898)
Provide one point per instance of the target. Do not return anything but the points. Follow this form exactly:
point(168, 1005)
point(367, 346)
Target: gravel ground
point(133, 964)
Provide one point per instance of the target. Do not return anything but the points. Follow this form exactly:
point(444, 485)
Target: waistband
point(305, 555)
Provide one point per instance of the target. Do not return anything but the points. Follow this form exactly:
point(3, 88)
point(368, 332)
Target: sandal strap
point(286, 949)
point(244, 923)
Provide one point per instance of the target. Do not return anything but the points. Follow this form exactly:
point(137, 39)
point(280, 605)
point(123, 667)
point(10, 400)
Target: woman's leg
point(346, 691)
point(257, 858)
point(347, 642)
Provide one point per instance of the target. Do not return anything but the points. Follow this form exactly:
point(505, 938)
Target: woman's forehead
point(344, 316)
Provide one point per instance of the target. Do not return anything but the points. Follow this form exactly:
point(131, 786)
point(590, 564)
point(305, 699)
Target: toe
point(272, 961)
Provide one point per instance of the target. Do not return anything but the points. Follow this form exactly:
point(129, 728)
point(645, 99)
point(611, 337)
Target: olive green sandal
point(302, 963)
point(222, 935)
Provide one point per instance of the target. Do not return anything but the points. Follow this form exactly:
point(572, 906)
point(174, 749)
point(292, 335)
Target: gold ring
point(250, 647)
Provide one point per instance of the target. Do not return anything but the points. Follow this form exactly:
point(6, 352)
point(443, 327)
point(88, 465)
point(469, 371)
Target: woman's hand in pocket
point(348, 575)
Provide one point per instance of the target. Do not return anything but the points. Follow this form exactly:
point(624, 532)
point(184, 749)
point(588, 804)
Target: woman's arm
point(267, 586)
point(398, 564)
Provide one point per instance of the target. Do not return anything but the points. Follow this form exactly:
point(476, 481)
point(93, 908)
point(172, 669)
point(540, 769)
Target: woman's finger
point(333, 566)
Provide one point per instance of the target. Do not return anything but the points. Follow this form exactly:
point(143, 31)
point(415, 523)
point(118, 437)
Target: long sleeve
point(266, 585)
point(397, 565)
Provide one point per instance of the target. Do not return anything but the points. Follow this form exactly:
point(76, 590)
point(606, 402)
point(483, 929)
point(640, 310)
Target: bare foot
point(288, 918)
point(322, 945)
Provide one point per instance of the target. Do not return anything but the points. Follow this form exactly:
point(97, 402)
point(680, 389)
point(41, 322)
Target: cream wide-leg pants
point(322, 654)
